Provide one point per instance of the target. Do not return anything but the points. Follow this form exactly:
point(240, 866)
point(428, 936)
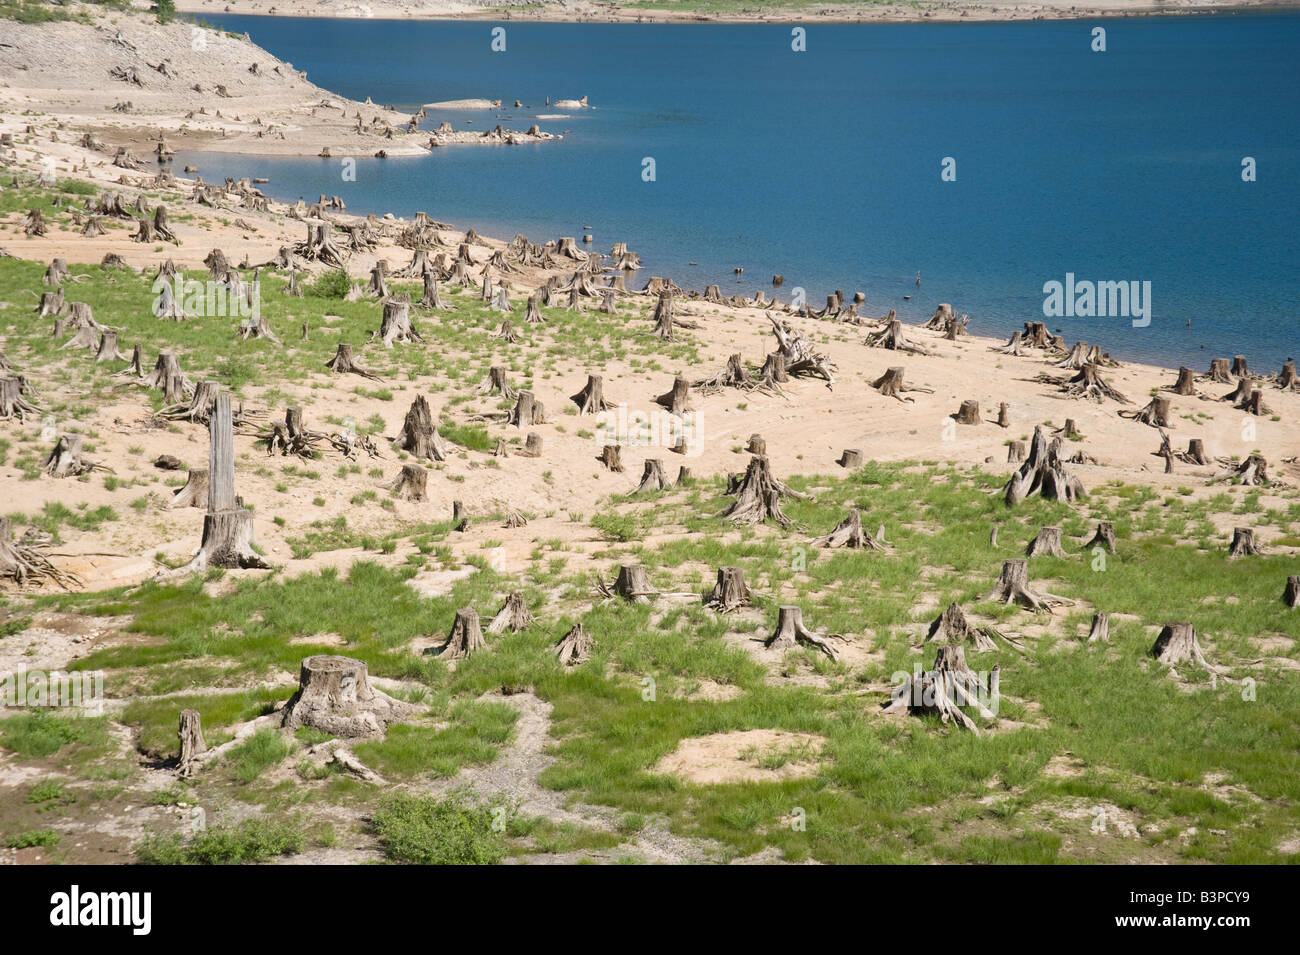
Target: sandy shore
point(589, 11)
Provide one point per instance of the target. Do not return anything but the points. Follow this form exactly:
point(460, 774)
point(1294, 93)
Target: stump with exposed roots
point(1013, 587)
point(168, 378)
point(419, 434)
point(575, 646)
point(195, 491)
point(496, 383)
point(849, 533)
point(1219, 371)
point(1243, 543)
point(611, 455)
point(1177, 643)
point(1252, 472)
point(790, 632)
point(951, 626)
point(730, 592)
point(397, 327)
point(1047, 543)
point(514, 615)
point(1088, 383)
point(466, 636)
point(633, 583)
point(1186, 383)
point(344, 363)
point(891, 385)
point(1195, 453)
point(335, 696)
point(677, 399)
point(591, 399)
point(968, 413)
point(23, 563)
point(532, 446)
point(528, 411)
point(758, 495)
point(893, 337)
point(944, 689)
point(66, 460)
point(1156, 413)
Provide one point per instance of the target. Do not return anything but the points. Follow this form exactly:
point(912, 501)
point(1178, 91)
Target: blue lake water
point(824, 166)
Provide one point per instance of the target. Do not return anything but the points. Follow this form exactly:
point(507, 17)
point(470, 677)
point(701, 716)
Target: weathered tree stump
point(22, 562)
point(944, 689)
point(459, 517)
point(198, 408)
point(756, 444)
point(335, 696)
point(891, 385)
point(1243, 543)
point(1004, 415)
point(730, 592)
point(513, 615)
point(684, 478)
point(419, 434)
point(1219, 371)
point(12, 402)
point(652, 478)
point(1156, 413)
point(1016, 451)
point(65, 459)
point(1239, 366)
point(136, 367)
point(466, 636)
point(951, 626)
point(849, 533)
point(591, 399)
point(1013, 587)
point(397, 327)
point(1047, 543)
point(1088, 383)
point(1177, 643)
point(344, 363)
point(663, 316)
point(412, 483)
point(528, 411)
point(192, 743)
point(575, 647)
point(1291, 594)
point(496, 382)
point(968, 413)
point(893, 337)
point(1186, 383)
point(732, 375)
point(1253, 472)
point(51, 304)
point(850, 458)
point(1287, 379)
point(611, 455)
point(1044, 473)
point(790, 632)
point(1100, 630)
point(633, 583)
point(773, 373)
point(108, 350)
point(195, 491)
point(758, 495)
point(532, 445)
point(1104, 537)
point(677, 400)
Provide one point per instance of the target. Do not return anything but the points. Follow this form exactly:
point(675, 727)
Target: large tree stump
point(756, 444)
point(611, 455)
point(730, 592)
point(893, 337)
point(1013, 587)
point(1219, 371)
point(344, 363)
point(1291, 594)
point(1253, 472)
point(758, 495)
point(432, 297)
point(195, 491)
point(1177, 643)
point(732, 375)
point(1186, 383)
point(663, 316)
point(1239, 366)
point(108, 350)
point(575, 647)
point(591, 399)
point(335, 696)
point(1100, 630)
point(65, 458)
point(198, 408)
point(51, 304)
point(497, 383)
point(1004, 415)
point(891, 385)
point(944, 689)
point(419, 434)
point(1016, 451)
point(513, 615)
point(849, 533)
point(652, 478)
point(528, 411)
point(12, 402)
point(773, 373)
point(1044, 473)
point(466, 636)
point(397, 326)
point(968, 413)
point(192, 743)
point(1104, 537)
point(790, 632)
point(1287, 379)
point(1243, 543)
point(1088, 383)
point(1047, 543)
point(532, 446)
point(412, 483)
point(633, 583)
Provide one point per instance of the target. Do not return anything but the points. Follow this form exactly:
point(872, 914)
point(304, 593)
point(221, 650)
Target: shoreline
point(956, 12)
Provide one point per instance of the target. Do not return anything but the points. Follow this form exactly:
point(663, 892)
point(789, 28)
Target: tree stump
point(684, 478)
point(892, 336)
point(1104, 537)
point(790, 632)
point(591, 399)
point(758, 495)
point(611, 455)
point(465, 637)
point(528, 411)
point(1177, 643)
point(891, 385)
point(65, 459)
point(677, 400)
point(397, 326)
point(1015, 451)
point(335, 696)
point(1252, 472)
point(192, 743)
point(136, 367)
point(1047, 543)
point(497, 383)
point(12, 402)
point(730, 592)
point(1185, 385)
point(1195, 453)
point(513, 615)
point(20, 561)
point(968, 413)
point(412, 483)
point(849, 533)
point(195, 491)
point(344, 363)
point(575, 647)
point(733, 375)
point(1219, 371)
point(952, 627)
point(1013, 587)
point(663, 316)
point(1004, 415)
point(944, 689)
point(1088, 383)
point(1156, 413)
point(532, 446)
point(850, 458)
point(419, 435)
point(1100, 630)
point(51, 304)
point(1291, 594)
point(652, 478)
point(1243, 543)
point(1044, 473)
point(199, 407)
point(773, 372)
point(459, 517)
point(633, 583)
point(1239, 366)
point(1287, 379)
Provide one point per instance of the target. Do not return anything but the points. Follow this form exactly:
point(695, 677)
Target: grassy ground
point(1141, 745)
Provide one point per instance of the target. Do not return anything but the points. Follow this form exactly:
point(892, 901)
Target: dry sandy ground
point(65, 70)
point(588, 11)
point(806, 428)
